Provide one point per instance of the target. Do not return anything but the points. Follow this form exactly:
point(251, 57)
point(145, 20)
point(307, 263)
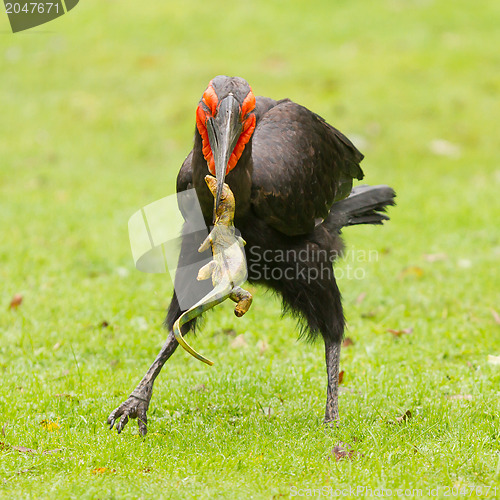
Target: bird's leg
point(243, 300)
point(137, 404)
point(332, 354)
point(187, 292)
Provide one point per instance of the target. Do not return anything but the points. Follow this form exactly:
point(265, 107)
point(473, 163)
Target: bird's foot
point(136, 406)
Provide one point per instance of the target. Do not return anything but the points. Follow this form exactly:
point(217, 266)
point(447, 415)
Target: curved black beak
point(223, 133)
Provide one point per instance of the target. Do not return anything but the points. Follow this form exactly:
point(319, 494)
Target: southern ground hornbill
point(291, 174)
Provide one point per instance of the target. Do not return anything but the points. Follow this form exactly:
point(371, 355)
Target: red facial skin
point(211, 100)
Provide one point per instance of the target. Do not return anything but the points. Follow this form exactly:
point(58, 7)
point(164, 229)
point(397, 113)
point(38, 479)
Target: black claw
point(122, 423)
point(143, 428)
point(130, 409)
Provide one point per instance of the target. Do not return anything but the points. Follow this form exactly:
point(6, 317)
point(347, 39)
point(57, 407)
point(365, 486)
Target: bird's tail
point(365, 205)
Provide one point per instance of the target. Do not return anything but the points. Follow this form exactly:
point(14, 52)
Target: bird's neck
point(239, 180)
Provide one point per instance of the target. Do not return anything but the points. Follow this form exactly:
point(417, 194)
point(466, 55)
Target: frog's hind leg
point(243, 300)
point(206, 271)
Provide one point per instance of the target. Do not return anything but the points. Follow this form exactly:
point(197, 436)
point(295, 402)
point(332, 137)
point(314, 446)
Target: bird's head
point(225, 119)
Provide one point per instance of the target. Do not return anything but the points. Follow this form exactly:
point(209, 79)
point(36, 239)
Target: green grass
point(97, 114)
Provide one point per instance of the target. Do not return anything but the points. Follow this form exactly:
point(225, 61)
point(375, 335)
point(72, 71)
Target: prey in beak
point(228, 269)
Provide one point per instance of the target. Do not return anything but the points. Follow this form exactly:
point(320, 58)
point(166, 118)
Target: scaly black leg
point(137, 404)
point(332, 354)
point(187, 291)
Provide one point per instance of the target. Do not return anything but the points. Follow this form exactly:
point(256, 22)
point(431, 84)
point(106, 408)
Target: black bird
point(291, 174)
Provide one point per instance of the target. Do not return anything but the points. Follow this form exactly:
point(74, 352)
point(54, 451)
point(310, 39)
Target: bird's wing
point(262, 106)
point(185, 175)
point(185, 182)
point(301, 166)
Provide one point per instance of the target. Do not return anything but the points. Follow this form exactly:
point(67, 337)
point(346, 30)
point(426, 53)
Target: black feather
point(297, 169)
point(365, 205)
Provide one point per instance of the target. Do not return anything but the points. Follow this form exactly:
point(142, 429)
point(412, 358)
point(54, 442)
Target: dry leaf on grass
point(23, 449)
point(442, 147)
point(435, 257)
point(398, 333)
point(342, 450)
point(268, 411)
point(493, 360)
point(360, 298)
point(148, 61)
point(456, 397)
point(50, 426)
point(24, 471)
point(262, 346)
point(16, 301)
point(51, 452)
point(341, 376)
point(496, 316)
point(347, 390)
point(239, 342)
point(200, 388)
point(65, 395)
point(103, 470)
point(404, 417)
point(464, 263)
point(347, 342)
point(413, 271)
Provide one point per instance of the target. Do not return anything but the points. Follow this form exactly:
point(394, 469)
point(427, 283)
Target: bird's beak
point(223, 133)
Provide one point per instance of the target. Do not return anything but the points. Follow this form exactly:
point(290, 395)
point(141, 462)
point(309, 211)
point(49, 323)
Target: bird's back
point(301, 166)
point(298, 167)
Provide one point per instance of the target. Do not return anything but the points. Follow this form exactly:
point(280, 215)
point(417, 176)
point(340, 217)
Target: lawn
point(97, 115)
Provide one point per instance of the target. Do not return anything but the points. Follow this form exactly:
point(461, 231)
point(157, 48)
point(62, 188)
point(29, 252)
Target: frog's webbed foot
point(243, 300)
point(206, 271)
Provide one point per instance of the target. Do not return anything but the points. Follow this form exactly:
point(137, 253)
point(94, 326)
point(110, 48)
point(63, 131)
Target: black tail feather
point(365, 205)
